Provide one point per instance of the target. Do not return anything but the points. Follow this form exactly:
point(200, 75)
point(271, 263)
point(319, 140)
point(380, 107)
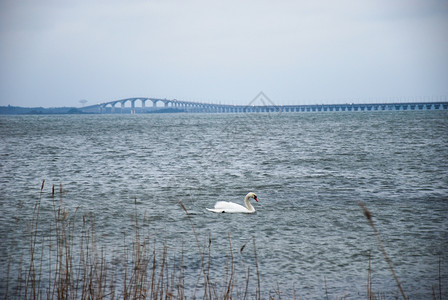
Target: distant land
point(17, 110)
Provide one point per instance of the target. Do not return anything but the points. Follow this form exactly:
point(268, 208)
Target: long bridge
point(174, 105)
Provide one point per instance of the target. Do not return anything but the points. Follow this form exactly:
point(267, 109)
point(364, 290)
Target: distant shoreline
point(18, 110)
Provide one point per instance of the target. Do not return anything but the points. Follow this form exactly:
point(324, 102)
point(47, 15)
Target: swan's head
point(252, 195)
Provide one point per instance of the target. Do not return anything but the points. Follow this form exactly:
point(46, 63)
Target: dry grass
point(437, 292)
point(368, 215)
point(70, 262)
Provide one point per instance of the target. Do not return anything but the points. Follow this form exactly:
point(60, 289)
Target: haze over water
point(308, 170)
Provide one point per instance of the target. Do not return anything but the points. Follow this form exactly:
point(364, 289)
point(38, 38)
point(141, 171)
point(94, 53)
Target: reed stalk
point(440, 281)
point(370, 295)
point(258, 292)
point(206, 282)
point(70, 261)
point(368, 215)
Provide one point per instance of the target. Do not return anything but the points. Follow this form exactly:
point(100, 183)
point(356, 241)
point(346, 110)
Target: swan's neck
point(248, 204)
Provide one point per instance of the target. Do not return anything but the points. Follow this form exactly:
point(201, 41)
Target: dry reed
point(70, 262)
point(368, 215)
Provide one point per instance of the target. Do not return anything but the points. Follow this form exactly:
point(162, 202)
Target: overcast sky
point(55, 53)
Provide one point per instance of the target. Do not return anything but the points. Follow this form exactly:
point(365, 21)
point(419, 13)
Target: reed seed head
point(366, 212)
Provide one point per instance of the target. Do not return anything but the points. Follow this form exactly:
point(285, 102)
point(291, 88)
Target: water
point(308, 170)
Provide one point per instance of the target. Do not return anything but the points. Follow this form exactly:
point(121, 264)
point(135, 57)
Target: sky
point(55, 53)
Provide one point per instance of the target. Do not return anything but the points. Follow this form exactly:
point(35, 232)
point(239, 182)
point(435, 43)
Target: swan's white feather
point(230, 207)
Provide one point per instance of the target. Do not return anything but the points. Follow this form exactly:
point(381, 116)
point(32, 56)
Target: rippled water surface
point(308, 170)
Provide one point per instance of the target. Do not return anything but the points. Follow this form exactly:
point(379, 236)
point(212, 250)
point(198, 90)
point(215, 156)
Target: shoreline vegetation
point(69, 261)
point(17, 110)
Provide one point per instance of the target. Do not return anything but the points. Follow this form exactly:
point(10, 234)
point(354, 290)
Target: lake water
point(309, 171)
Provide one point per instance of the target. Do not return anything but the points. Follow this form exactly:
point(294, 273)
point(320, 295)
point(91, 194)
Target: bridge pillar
point(132, 106)
point(143, 104)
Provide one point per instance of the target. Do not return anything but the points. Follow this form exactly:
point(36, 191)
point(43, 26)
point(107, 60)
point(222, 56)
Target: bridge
point(174, 105)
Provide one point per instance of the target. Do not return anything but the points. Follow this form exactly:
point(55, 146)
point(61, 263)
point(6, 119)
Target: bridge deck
point(197, 107)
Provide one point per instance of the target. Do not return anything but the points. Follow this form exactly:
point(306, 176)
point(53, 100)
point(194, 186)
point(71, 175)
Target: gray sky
point(54, 53)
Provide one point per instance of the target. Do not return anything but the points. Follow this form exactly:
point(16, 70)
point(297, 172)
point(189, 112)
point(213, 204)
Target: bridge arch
point(143, 104)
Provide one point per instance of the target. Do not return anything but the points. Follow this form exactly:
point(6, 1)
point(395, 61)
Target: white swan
point(229, 207)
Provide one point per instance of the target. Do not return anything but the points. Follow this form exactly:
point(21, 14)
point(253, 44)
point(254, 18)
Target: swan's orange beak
point(255, 197)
